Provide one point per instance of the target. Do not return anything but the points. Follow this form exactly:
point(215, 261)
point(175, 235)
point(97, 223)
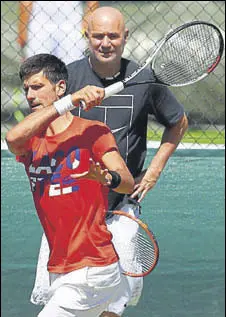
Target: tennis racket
point(184, 56)
point(139, 253)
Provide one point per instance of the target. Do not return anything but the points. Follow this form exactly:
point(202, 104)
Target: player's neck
point(60, 124)
point(111, 71)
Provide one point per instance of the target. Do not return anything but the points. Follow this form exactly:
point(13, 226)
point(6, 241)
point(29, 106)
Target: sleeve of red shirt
point(103, 142)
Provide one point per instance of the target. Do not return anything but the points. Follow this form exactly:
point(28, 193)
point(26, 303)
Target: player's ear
point(60, 88)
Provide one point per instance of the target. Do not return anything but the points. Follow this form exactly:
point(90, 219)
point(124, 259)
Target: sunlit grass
point(194, 136)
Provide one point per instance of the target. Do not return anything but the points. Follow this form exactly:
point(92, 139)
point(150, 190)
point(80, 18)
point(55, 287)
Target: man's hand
point(170, 140)
point(91, 95)
point(144, 182)
point(95, 172)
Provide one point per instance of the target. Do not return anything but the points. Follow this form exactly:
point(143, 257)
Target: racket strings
point(186, 55)
point(140, 254)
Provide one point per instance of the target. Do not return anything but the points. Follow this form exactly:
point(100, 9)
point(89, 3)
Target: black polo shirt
point(126, 113)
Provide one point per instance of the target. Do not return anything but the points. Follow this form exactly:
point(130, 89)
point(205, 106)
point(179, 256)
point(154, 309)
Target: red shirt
point(72, 212)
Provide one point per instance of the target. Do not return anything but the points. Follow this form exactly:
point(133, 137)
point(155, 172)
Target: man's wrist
point(64, 105)
point(115, 181)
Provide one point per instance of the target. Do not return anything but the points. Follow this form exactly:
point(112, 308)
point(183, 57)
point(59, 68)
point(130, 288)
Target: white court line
point(155, 145)
point(188, 146)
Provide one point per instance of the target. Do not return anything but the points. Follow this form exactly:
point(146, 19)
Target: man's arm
point(170, 140)
point(113, 162)
point(25, 9)
point(18, 137)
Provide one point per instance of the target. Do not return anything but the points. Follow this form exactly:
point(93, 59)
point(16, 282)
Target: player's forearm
point(170, 140)
point(174, 135)
point(114, 162)
point(127, 183)
point(32, 125)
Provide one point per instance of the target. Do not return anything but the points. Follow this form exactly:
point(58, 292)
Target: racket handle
point(113, 89)
point(109, 91)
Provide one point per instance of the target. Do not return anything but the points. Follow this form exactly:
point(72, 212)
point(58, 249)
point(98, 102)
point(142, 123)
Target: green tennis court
point(185, 211)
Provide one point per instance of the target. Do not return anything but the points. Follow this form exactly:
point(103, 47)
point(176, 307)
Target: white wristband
point(64, 104)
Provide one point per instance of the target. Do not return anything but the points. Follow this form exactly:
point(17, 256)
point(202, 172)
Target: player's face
point(39, 91)
point(107, 38)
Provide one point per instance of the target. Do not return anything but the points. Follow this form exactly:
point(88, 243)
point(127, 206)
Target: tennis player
point(127, 116)
point(71, 164)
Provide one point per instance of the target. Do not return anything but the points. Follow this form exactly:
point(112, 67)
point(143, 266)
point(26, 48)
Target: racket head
point(141, 253)
point(188, 54)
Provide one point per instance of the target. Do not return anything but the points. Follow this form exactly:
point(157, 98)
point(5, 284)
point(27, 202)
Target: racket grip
point(108, 91)
point(113, 89)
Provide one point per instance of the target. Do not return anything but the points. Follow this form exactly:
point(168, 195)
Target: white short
point(130, 288)
point(82, 293)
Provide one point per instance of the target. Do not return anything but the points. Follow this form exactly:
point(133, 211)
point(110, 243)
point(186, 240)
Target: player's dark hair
point(54, 69)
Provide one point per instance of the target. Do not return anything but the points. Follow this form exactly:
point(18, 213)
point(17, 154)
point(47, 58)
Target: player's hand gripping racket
point(184, 56)
point(140, 251)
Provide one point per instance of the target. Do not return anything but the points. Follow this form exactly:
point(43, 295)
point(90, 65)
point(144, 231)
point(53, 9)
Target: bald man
point(127, 116)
